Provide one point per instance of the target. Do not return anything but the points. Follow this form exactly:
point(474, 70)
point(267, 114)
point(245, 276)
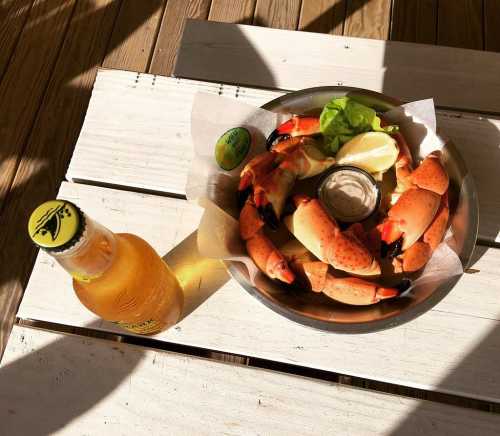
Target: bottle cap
point(56, 225)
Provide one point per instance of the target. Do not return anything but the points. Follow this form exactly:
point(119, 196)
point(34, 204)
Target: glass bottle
point(117, 276)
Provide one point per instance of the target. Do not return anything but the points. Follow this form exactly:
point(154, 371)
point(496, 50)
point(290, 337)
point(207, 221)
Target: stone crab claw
point(260, 248)
point(295, 126)
point(254, 171)
point(431, 175)
point(420, 215)
point(348, 290)
point(415, 257)
point(319, 277)
point(319, 233)
point(258, 167)
point(410, 216)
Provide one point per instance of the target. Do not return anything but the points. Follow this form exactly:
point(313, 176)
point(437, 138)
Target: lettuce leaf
point(343, 118)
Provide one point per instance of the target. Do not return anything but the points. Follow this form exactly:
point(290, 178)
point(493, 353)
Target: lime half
point(372, 151)
point(232, 147)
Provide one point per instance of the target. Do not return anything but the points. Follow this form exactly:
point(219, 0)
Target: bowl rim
point(406, 314)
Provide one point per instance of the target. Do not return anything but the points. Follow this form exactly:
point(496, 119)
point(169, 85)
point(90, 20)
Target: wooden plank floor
point(137, 391)
point(50, 51)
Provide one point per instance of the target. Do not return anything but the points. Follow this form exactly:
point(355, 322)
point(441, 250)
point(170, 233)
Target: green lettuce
point(343, 118)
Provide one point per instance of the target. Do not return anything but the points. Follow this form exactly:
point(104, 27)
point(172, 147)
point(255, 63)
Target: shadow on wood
point(245, 64)
point(331, 20)
point(40, 143)
point(475, 132)
point(50, 386)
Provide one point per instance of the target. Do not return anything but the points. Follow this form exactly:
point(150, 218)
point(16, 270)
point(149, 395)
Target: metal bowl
point(318, 311)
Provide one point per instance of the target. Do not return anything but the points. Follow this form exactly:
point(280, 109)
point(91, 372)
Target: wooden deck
point(50, 51)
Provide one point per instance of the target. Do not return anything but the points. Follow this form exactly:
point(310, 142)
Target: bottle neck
point(92, 255)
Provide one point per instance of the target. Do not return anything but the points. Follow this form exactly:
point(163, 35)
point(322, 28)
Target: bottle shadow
point(199, 276)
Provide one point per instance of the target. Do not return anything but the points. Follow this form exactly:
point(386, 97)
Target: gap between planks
point(151, 343)
point(479, 242)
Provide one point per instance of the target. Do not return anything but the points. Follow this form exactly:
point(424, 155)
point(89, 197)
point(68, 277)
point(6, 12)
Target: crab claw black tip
point(403, 285)
point(269, 216)
point(391, 250)
point(243, 195)
point(290, 207)
point(271, 138)
point(275, 134)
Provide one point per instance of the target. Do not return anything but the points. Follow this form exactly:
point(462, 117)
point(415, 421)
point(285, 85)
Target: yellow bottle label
point(82, 277)
point(144, 327)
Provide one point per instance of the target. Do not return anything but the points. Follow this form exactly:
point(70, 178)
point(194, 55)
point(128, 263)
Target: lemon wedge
point(372, 151)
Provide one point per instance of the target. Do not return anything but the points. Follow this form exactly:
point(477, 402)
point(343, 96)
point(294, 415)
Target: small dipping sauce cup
point(348, 193)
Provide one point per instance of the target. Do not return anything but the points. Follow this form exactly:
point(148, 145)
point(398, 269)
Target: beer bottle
point(117, 276)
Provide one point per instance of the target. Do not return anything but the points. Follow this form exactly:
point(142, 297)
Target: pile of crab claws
point(415, 224)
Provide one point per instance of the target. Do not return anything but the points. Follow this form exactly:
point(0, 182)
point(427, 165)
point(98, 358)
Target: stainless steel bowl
point(317, 310)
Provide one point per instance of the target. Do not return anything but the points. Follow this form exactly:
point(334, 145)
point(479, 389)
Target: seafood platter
point(345, 208)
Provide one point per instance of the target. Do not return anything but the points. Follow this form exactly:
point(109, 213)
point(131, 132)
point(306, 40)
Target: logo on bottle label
point(144, 327)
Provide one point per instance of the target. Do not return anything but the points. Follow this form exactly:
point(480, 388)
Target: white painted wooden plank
point(272, 58)
point(147, 121)
point(137, 133)
point(71, 385)
point(454, 348)
point(478, 139)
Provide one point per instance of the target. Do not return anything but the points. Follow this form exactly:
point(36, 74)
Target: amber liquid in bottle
point(121, 278)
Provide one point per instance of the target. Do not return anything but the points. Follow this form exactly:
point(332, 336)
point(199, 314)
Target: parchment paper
point(215, 189)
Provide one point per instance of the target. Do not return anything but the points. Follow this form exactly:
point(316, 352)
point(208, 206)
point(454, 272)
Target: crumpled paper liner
point(215, 189)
